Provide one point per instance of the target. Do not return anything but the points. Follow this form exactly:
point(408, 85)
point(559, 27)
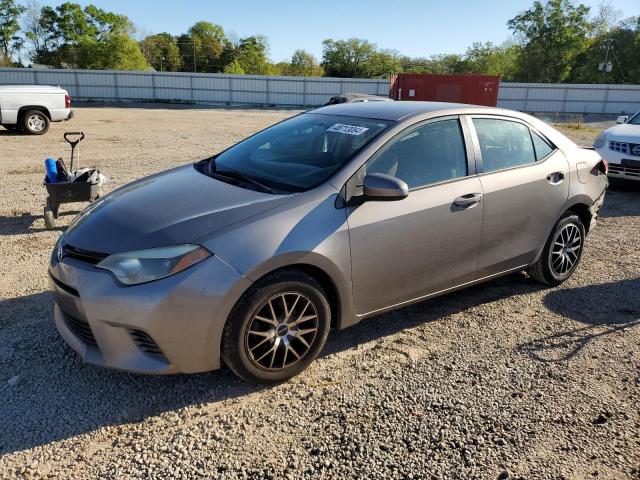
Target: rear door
point(425, 243)
point(525, 180)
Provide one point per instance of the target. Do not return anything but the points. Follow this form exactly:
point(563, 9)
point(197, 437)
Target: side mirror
point(622, 119)
point(380, 186)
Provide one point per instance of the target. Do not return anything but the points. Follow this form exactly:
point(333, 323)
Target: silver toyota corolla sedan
point(250, 257)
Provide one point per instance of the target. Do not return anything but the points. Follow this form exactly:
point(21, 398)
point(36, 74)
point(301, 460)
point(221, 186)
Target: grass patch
point(574, 122)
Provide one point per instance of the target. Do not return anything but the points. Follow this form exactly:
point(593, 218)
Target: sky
point(413, 27)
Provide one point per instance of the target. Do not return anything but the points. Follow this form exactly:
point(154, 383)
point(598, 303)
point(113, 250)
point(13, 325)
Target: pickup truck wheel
point(35, 122)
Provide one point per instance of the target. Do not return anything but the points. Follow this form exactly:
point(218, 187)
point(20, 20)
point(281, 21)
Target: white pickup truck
point(31, 108)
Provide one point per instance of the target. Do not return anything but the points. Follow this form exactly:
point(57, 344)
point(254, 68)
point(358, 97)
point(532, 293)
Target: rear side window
point(542, 147)
point(431, 153)
point(503, 143)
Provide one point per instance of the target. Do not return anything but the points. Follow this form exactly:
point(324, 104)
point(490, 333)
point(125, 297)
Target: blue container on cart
point(52, 170)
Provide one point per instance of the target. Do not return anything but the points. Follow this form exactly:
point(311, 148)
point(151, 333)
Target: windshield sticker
point(347, 129)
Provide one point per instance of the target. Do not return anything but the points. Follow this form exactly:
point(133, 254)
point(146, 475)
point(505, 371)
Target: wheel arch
point(583, 211)
point(40, 108)
point(580, 205)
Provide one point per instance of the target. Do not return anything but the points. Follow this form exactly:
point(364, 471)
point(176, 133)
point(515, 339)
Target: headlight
point(600, 140)
point(132, 268)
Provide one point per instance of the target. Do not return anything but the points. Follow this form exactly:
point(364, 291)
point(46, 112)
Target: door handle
point(468, 199)
point(555, 178)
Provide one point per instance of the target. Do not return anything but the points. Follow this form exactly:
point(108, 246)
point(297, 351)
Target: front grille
point(145, 343)
point(620, 147)
point(626, 148)
point(80, 329)
point(83, 255)
point(624, 170)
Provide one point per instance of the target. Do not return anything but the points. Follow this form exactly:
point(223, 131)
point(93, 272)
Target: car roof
point(391, 110)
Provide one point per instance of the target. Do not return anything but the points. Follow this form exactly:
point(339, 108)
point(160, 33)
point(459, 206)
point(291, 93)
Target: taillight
point(67, 101)
point(601, 167)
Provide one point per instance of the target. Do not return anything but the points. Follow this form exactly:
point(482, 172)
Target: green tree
point(383, 63)
point(439, 64)
point(552, 36)
point(251, 55)
point(234, 68)
point(622, 41)
point(116, 51)
point(10, 13)
point(489, 59)
point(347, 58)
point(85, 38)
point(207, 40)
point(303, 64)
point(162, 52)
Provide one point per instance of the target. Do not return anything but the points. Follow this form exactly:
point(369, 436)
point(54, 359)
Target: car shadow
point(49, 394)
point(24, 223)
point(603, 309)
point(622, 200)
point(11, 133)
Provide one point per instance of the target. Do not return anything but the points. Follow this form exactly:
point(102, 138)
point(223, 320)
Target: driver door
point(428, 242)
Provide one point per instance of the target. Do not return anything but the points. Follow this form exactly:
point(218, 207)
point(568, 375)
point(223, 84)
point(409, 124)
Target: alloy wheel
point(282, 331)
point(566, 249)
point(36, 123)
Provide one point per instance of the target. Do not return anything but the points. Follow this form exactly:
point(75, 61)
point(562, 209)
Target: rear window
point(302, 152)
point(503, 143)
point(542, 147)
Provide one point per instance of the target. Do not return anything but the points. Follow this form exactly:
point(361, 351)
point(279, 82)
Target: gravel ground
point(502, 380)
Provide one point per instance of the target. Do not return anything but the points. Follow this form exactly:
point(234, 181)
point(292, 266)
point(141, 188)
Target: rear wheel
point(277, 328)
point(35, 122)
point(562, 252)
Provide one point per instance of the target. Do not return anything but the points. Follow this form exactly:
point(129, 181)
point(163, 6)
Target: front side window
point(302, 152)
point(431, 153)
point(503, 143)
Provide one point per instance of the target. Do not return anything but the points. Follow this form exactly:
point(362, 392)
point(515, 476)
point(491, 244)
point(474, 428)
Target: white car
point(620, 147)
point(31, 108)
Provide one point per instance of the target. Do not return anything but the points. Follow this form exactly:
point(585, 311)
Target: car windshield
point(635, 120)
point(300, 153)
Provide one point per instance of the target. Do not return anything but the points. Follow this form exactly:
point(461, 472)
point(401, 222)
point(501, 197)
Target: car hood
point(170, 208)
point(625, 132)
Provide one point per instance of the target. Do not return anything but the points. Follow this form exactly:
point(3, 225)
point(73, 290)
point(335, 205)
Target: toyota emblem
point(636, 150)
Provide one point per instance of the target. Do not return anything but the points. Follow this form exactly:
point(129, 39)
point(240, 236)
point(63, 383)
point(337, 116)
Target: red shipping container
point(471, 89)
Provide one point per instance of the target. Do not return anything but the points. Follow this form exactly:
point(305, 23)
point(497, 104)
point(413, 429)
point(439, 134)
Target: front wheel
point(277, 328)
point(562, 251)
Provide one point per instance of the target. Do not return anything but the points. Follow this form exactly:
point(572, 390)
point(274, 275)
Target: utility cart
point(68, 186)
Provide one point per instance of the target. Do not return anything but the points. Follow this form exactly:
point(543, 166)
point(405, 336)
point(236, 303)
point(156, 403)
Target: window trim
point(478, 151)
point(466, 140)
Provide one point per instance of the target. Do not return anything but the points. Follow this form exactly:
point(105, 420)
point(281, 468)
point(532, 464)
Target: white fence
point(204, 88)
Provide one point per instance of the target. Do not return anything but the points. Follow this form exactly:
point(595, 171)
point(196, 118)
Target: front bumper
point(621, 165)
point(173, 325)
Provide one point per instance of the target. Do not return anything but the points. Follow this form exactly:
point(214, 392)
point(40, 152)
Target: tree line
point(553, 41)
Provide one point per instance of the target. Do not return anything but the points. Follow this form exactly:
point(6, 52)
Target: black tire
point(35, 122)
point(279, 287)
point(551, 268)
